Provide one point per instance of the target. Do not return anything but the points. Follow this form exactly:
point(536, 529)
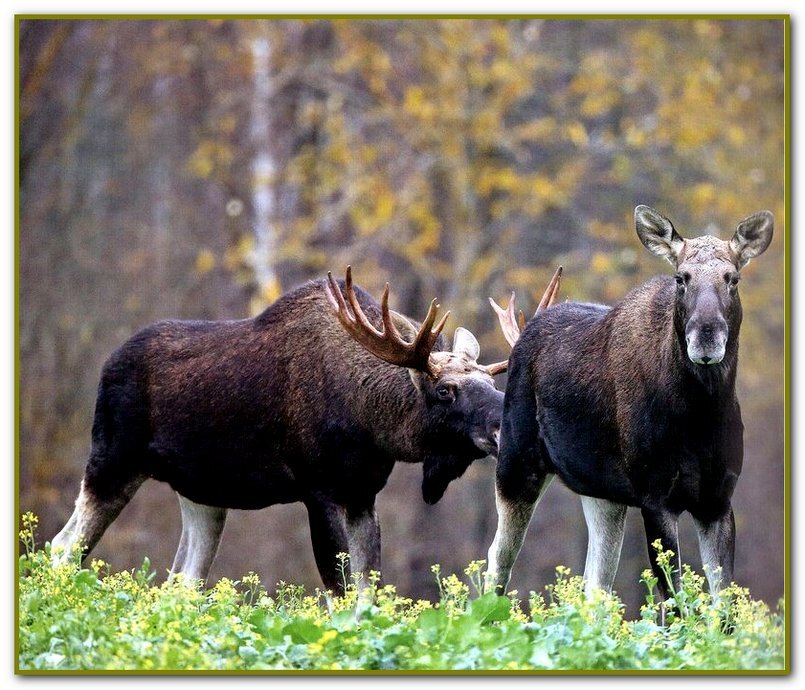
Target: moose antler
point(388, 344)
point(509, 323)
point(512, 325)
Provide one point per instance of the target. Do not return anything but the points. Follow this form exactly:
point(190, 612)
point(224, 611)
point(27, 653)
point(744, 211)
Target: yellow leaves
point(271, 291)
point(482, 268)
point(367, 154)
point(600, 263)
point(543, 187)
point(708, 30)
point(543, 129)
point(374, 208)
point(268, 293)
point(703, 195)
point(596, 85)
point(504, 70)
point(486, 126)
point(205, 261)
point(577, 134)
point(499, 33)
point(634, 136)
point(209, 155)
point(736, 135)
point(428, 226)
point(417, 104)
point(600, 230)
point(236, 256)
point(491, 179)
point(384, 207)
point(598, 103)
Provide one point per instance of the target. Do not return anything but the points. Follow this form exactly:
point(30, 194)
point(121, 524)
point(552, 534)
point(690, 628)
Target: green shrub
point(74, 618)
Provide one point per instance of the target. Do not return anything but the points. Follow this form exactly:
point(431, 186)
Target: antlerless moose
point(633, 405)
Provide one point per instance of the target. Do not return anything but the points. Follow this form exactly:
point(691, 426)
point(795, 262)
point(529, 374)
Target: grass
point(91, 619)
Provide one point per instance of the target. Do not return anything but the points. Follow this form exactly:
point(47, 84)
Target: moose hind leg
point(90, 518)
point(605, 527)
point(663, 525)
point(717, 548)
point(514, 515)
point(201, 533)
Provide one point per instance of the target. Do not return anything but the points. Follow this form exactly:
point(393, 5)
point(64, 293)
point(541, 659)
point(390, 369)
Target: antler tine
point(360, 317)
point(336, 300)
point(388, 344)
point(512, 326)
point(549, 296)
point(427, 335)
point(507, 319)
point(426, 338)
point(497, 367)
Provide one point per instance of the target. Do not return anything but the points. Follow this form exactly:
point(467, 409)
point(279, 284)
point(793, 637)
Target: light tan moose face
point(707, 274)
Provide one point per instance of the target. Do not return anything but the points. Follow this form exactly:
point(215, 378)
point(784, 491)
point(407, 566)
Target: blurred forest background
point(199, 168)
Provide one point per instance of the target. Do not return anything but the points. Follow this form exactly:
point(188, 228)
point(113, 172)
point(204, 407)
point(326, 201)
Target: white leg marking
point(201, 532)
point(86, 525)
point(605, 527)
point(513, 520)
point(711, 536)
point(363, 538)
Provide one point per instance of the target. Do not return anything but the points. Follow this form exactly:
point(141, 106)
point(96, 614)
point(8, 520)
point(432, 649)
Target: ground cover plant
point(73, 618)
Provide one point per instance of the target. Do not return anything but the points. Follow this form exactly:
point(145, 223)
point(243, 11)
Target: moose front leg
point(363, 537)
point(717, 548)
point(328, 532)
point(201, 533)
point(605, 523)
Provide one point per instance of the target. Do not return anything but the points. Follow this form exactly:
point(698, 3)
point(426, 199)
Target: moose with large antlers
point(314, 400)
point(632, 405)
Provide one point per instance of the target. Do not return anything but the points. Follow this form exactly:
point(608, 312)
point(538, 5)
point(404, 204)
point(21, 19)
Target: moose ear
point(464, 343)
point(752, 237)
point(657, 234)
point(406, 329)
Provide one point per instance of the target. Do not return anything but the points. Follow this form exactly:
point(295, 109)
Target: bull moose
point(314, 400)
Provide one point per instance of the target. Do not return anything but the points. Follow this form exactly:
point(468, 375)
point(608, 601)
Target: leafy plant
point(75, 618)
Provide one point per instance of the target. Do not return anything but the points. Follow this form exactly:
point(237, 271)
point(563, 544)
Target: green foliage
point(73, 618)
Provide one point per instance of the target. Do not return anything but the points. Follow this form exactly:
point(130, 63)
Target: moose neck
point(390, 394)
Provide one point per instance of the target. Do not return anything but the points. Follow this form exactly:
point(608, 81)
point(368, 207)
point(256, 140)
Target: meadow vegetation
point(73, 618)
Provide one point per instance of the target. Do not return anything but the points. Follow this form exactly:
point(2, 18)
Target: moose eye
point(732, 279)
point(445, 392)
point(682, 279)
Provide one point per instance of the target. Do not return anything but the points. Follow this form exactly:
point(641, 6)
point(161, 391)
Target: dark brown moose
point(314, 400)
point(632, 405)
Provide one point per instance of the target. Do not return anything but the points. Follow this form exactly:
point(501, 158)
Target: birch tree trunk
point(264, 168)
